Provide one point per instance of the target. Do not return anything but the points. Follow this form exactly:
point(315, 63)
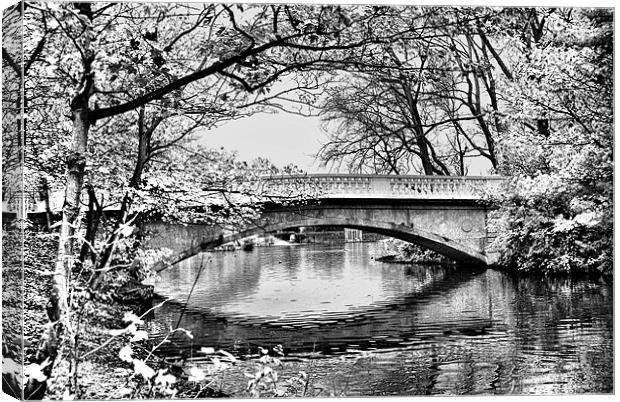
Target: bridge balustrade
point(377, 186)
point(333, 186)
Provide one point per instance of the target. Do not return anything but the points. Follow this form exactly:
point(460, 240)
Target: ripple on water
point(431, 331)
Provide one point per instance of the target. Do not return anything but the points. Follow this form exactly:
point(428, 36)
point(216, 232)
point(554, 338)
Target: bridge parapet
point(382, 186)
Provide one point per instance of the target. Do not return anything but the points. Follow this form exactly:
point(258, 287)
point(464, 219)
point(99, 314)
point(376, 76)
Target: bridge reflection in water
point(433, 329)
point(318, 326)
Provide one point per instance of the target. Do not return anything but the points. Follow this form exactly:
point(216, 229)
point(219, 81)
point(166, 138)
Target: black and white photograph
point(307, 199)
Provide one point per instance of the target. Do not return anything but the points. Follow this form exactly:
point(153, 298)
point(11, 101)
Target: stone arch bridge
point(444, 214)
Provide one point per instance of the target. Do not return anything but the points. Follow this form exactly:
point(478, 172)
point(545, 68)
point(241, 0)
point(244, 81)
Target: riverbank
point(401, 252)
point(99, 374)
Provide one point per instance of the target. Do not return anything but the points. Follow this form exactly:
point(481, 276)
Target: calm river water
point(429, 330)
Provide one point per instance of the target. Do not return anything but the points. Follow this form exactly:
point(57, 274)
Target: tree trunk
point(144, 147)
point(417, 129)
point(542, 126)
point(537, 30)
point(93, 217)
point(487, 135)
point(106, 257)
point(45, 197)
point(60, 329)
point(60, 333)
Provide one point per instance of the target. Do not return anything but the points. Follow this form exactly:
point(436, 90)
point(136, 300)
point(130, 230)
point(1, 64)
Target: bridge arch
point(442, 214)
point(440, 244)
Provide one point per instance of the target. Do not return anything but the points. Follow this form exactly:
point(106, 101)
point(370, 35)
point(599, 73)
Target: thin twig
point(190, 292)
point(121, 333)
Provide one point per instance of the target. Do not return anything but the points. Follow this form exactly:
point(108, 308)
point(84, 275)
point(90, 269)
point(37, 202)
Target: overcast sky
point(282, 138)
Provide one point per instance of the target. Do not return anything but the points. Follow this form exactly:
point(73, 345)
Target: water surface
point(430, 330)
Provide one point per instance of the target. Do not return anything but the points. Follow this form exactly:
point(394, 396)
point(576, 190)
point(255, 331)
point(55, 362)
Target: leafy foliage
point(558, 210)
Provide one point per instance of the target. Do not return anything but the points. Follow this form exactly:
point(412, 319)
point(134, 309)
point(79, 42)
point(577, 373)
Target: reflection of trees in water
point(563, 330)
point(328, 263)
point(222, 279)
point(451, 367)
